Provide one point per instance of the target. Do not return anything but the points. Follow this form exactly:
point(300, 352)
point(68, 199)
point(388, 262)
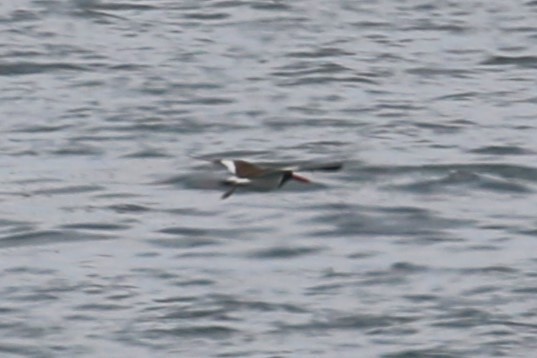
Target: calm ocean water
point(114, 241)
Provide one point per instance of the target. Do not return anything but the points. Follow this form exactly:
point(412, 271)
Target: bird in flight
point(245, 173)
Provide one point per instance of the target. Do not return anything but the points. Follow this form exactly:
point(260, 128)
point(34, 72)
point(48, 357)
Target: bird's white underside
point(238, 181)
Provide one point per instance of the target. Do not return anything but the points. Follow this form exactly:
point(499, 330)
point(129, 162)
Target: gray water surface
point(114, 241)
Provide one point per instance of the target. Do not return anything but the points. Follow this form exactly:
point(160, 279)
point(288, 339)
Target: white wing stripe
point(230, 165)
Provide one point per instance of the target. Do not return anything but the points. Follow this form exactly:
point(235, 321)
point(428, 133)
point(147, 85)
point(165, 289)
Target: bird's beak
point(300, 178)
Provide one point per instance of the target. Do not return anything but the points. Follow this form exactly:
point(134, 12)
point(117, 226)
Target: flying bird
point(268, 177)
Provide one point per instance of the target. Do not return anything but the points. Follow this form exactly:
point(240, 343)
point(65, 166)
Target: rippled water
point(114, 240)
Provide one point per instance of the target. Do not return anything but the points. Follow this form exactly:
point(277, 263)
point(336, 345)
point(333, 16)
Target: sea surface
point(114, 239)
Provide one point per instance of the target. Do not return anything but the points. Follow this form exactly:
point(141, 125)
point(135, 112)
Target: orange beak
point(300, 178)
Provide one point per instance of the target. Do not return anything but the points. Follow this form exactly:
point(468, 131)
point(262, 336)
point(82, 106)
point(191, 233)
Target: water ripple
point(521, 61)
point(48, 237)
point(285, 252)
point(33, 68)
point(114, 238)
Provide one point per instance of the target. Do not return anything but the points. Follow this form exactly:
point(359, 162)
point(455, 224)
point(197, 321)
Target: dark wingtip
point(228, 193)
point(323, 167)
point(330, 167)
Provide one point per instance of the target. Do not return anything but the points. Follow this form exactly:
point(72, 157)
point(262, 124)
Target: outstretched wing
point(242, 168)
point(323, 167)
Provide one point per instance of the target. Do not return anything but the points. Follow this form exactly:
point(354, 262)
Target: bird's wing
point(228, 164)
point(324, 167)
point(242, 168)
point(310, 167)
point(228, 193)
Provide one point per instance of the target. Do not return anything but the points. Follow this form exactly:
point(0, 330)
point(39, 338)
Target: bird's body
point(245, 173)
